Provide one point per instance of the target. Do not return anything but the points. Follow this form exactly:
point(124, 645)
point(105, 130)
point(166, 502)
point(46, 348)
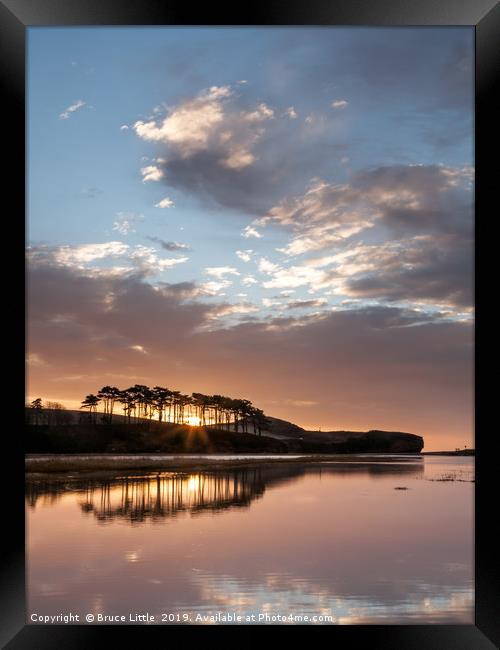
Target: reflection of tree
point(137, 498)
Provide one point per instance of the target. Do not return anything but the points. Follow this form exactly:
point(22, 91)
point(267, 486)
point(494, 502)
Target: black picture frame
point(484, 15)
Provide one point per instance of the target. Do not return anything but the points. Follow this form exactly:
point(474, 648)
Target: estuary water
point(389, 541)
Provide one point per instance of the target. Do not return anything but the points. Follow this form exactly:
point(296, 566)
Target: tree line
point(165, 405)
point(50, 413)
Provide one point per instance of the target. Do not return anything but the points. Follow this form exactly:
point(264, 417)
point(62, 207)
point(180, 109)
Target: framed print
point(250, 330)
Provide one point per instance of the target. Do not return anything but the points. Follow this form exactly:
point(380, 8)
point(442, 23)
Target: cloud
point(147, 261)
point(339, 103)
point(304, 304)
point(189, 125)
point(222, 146)
point(151, 173)
point(249, 280)
point(170, 245)
point(420, 222)
point(123, 226)
point(234, 163)
point(84, 253)
point(125, 222)
point(213, 288)
point(259, 114)
point(296, 276)
point(383, 66)
point(164, 203)
point(34, 359)
point(209, 122)
point(245, 256)
point(138, 348)
point(105, 315)
point(124, 127)
point(429, 269)
point(71, 109)
point(407, 370)
point(223, 311)
point(265, 266)
point(250, 231)
point(87, 258)
point(221, 271)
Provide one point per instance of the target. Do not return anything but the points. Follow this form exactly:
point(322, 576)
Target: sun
point(194, 421)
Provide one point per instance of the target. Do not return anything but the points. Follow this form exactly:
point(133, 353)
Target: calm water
point(334, 540)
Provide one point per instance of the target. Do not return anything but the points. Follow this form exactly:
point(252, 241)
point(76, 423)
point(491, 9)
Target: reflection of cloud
point(287, 595)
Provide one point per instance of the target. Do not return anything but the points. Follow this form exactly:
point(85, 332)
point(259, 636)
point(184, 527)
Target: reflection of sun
point(193, 483)
point(194, 421)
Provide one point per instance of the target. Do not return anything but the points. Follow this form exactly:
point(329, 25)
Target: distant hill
point(69, 432)
point(374, 440)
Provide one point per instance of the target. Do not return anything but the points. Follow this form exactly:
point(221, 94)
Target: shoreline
point(461, 452)
point(59, 463)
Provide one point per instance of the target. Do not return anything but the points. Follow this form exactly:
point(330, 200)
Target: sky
point(279, 214)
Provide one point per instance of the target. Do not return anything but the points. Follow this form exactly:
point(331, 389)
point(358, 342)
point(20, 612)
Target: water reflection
point(277, 593)
point(322, 539)
point(137, 497)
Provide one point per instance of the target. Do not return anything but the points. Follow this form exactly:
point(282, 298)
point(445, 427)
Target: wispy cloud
point(339, 103)
point(87, 259)
point(250, 231)
point(138, 348)
point(305, 304)
point(169, 245)
point(245, 256)
point(221, 271)
point(214, 288)
point(71, 109)
point(164, 203)
point(124, 224)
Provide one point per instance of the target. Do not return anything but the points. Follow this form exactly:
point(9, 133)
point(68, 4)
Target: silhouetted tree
point(90, 403)
point(144, 402)
point(109, 395)
point(56, 413)
point(37, 407)
point(161, 397)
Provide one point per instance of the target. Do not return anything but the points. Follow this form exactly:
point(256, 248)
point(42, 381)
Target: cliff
point(373, 441)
